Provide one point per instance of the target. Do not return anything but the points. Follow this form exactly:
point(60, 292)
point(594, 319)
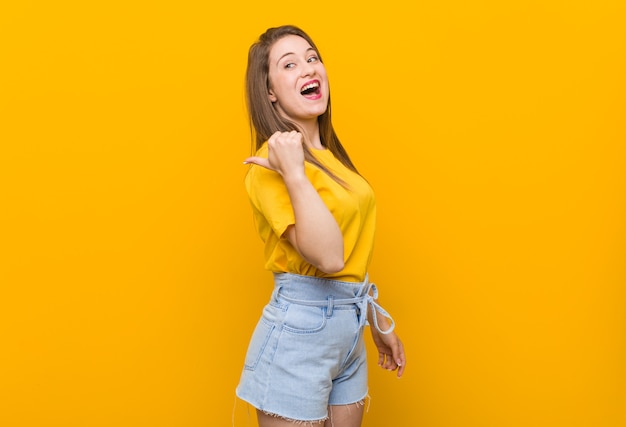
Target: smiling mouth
point(312, 88)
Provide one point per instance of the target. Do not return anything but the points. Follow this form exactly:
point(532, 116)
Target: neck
point(311, 131)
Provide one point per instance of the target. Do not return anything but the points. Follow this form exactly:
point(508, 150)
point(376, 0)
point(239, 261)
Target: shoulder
point(259, 177)
point(262, 151)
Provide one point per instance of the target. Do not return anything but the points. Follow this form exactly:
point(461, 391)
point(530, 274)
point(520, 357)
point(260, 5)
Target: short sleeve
point(270, 199)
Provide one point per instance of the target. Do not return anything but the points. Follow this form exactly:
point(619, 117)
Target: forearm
point(315, 235)
point(383, 321)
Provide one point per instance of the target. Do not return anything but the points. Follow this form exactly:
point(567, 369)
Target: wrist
point(294, 178)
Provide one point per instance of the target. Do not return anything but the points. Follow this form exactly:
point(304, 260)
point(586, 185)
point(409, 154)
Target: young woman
point(306, 360)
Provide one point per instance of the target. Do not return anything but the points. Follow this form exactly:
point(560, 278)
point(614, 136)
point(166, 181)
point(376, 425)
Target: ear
point(271, 96)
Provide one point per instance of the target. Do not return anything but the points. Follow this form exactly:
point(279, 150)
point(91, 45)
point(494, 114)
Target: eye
point(290, 65)
point(313, 59)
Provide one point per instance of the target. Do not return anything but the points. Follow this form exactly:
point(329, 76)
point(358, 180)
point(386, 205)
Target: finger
point(401, 370)
point(274, 139)
point(260, 161)
point(389, 363)
point(296, 135)
point(397, 351)
point(274, 136)
point(401, 366)
point(400, 358)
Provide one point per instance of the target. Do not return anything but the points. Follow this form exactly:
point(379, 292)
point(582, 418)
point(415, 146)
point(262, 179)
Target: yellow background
point(493, 133)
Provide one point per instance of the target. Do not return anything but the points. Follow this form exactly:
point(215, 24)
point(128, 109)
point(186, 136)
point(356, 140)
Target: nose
point(307, 69)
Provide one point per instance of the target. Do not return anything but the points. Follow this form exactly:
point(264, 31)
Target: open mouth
point(311, 89)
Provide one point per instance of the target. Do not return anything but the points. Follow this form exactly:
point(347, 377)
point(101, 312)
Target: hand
point(390, 351)
point(285, 154)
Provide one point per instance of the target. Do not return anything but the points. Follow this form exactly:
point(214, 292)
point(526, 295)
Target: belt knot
point(370, 300)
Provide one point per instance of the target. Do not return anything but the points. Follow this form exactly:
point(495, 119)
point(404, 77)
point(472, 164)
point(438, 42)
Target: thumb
point(260, 161)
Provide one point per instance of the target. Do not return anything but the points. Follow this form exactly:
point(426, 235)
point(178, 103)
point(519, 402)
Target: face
point(298, 81)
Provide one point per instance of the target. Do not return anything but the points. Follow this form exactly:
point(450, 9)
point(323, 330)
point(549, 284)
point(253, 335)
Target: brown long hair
point(264, 118)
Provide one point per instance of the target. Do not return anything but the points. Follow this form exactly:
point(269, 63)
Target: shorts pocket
point(302, 319)
point(258, 344)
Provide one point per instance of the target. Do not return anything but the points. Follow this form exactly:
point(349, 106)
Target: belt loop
point(329, 307)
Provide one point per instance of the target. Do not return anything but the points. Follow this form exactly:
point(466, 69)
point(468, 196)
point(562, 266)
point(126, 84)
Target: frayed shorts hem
point(311, 422)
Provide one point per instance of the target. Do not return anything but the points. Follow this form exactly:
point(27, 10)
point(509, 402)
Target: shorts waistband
point(320, 292)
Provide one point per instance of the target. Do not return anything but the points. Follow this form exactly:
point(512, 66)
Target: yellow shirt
point(354, 210)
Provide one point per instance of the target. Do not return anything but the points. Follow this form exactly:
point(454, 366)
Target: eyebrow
point(292, 53)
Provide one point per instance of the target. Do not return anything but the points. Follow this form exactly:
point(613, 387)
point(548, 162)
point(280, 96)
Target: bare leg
point(266, 420)
point(345, 415)
point(338, 416)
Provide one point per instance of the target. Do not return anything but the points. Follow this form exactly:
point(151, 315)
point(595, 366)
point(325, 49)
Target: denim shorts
point(307, 350)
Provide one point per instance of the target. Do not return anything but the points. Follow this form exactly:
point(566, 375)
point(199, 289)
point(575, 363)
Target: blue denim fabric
point(307, 350)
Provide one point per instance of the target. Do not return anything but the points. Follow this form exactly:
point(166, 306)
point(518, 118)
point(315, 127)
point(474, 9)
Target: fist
point(285, 153)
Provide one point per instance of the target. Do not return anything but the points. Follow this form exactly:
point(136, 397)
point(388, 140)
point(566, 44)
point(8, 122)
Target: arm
point(315, 234)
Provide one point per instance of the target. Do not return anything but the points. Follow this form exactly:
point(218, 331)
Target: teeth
point(310, 86)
